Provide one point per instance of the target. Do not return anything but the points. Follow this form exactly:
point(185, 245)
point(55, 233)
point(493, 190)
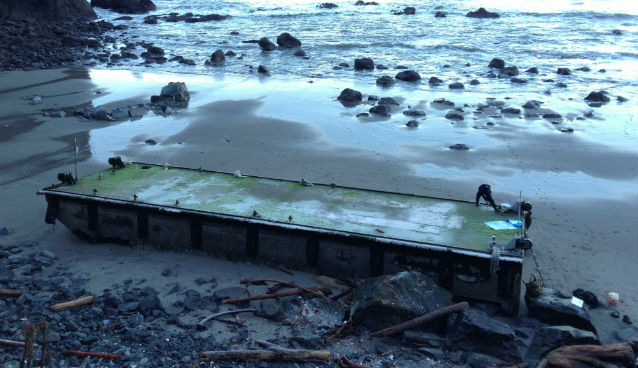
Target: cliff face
point(46, 9)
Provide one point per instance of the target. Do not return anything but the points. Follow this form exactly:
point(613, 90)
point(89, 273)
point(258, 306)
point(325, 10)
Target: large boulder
point(508, 71)
point(408, 76)
point(350, 96)
point(482, 13)
point(265, 44)
point(549, 338)
point(174, 94)
point(49, 10)
point(497, 63)
point(363, 64)
point(387, 300)
point(287, 40)
point(479, 333)
point(545, 305)
point(385, 81)
point(216, 58)
point(125, 6)
point(597, 96)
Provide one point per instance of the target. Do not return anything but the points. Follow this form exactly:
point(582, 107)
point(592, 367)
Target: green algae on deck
point(407, 217)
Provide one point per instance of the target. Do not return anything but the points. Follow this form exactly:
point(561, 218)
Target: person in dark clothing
point(485, 191)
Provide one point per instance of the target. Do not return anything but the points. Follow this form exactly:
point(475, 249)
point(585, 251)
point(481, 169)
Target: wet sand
point(583, 191)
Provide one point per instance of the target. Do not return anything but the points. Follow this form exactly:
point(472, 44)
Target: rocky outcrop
point(125, 6)
point(49, 10)
point(545, 305)
point(327, 6)
point(174, 94)
point(408, 76)
point(482, 13)
point(363, 64)
point(387, 300)
point(288, 41)
point(549, 338)
point(563, 71)
point(406, 11)
point(479, 333)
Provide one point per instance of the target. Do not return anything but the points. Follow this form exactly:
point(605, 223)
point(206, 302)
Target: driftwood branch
point(19, 344)
point(72, 304)
point(298, 291)
point(454, 308)
point(274, 352)
point(202, 324)
point(345, 362)
point(82, 354)
point(11, 292)
point(603, 356)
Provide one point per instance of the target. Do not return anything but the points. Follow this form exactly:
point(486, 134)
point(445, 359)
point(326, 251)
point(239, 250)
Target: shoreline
point(578, 242)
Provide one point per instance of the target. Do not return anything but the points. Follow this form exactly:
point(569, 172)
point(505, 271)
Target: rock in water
point(265, 44)
point(482, 13)
point(456, 85)
point(363, 64)
point(327, 6)
point(125, 6)
point(385, 81)
point(563, 71)
point(383, 110)
point(263, 70)
point(349, 95)
point(440, 14)
point(387, 300)
point(509, 71)
point(216, 58)
point(597, 96)
point(408, 76)
point(50, 10)
point(174, 94)
point(435, 81)
point(497, 63)
point(287, 40)
point(479, 333)
point(545, 306)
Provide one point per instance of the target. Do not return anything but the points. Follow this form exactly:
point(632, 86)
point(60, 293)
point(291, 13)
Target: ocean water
point(546, 34)
point(519, 153)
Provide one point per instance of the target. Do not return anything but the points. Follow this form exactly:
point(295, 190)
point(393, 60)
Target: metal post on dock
point(75, 143)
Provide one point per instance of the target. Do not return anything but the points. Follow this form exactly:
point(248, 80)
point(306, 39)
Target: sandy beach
point(580, 239)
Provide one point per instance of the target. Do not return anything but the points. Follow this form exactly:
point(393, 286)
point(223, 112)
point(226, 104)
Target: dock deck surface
point(407, 217)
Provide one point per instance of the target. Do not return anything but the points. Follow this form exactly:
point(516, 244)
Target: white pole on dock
point(75, 143)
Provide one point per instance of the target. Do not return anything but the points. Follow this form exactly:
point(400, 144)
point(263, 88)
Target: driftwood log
point(202, 324)
point(19, 344)
point(274, 352)
point(454, 308)
point(82, 354)
point(595, 356)
point(11, 292)
point(72, 304)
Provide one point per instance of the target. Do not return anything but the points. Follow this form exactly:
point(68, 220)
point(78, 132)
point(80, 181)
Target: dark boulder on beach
point(363, 64)
point(456, 85)
point(459, 147)
point(440, 14)
point(454, 115)
point(388, 101)
point(49, 10)
point(288, 41)
point(408, 76)
point(125, 6)
point(300, 53)
point(548, 306)
point(532, 104)
point(497, 63)
point(350, 96)
point(563, 71)
point(533, 70)
point(511, 110)
point(475, 82)
point(482, 13)
point(216, 58)
point(327, 6)
point(174, 94)
point(412, 124)
point(265, 44)
point(415, 113)
point(597, 96)
point(385, 81)
point(435, 81)
point(362, 3)
point(508, 71)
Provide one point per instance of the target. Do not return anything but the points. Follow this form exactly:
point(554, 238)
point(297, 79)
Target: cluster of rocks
point(188, 18)
point(126, 6)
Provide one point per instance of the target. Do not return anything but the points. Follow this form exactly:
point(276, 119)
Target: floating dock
point(323, 228)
